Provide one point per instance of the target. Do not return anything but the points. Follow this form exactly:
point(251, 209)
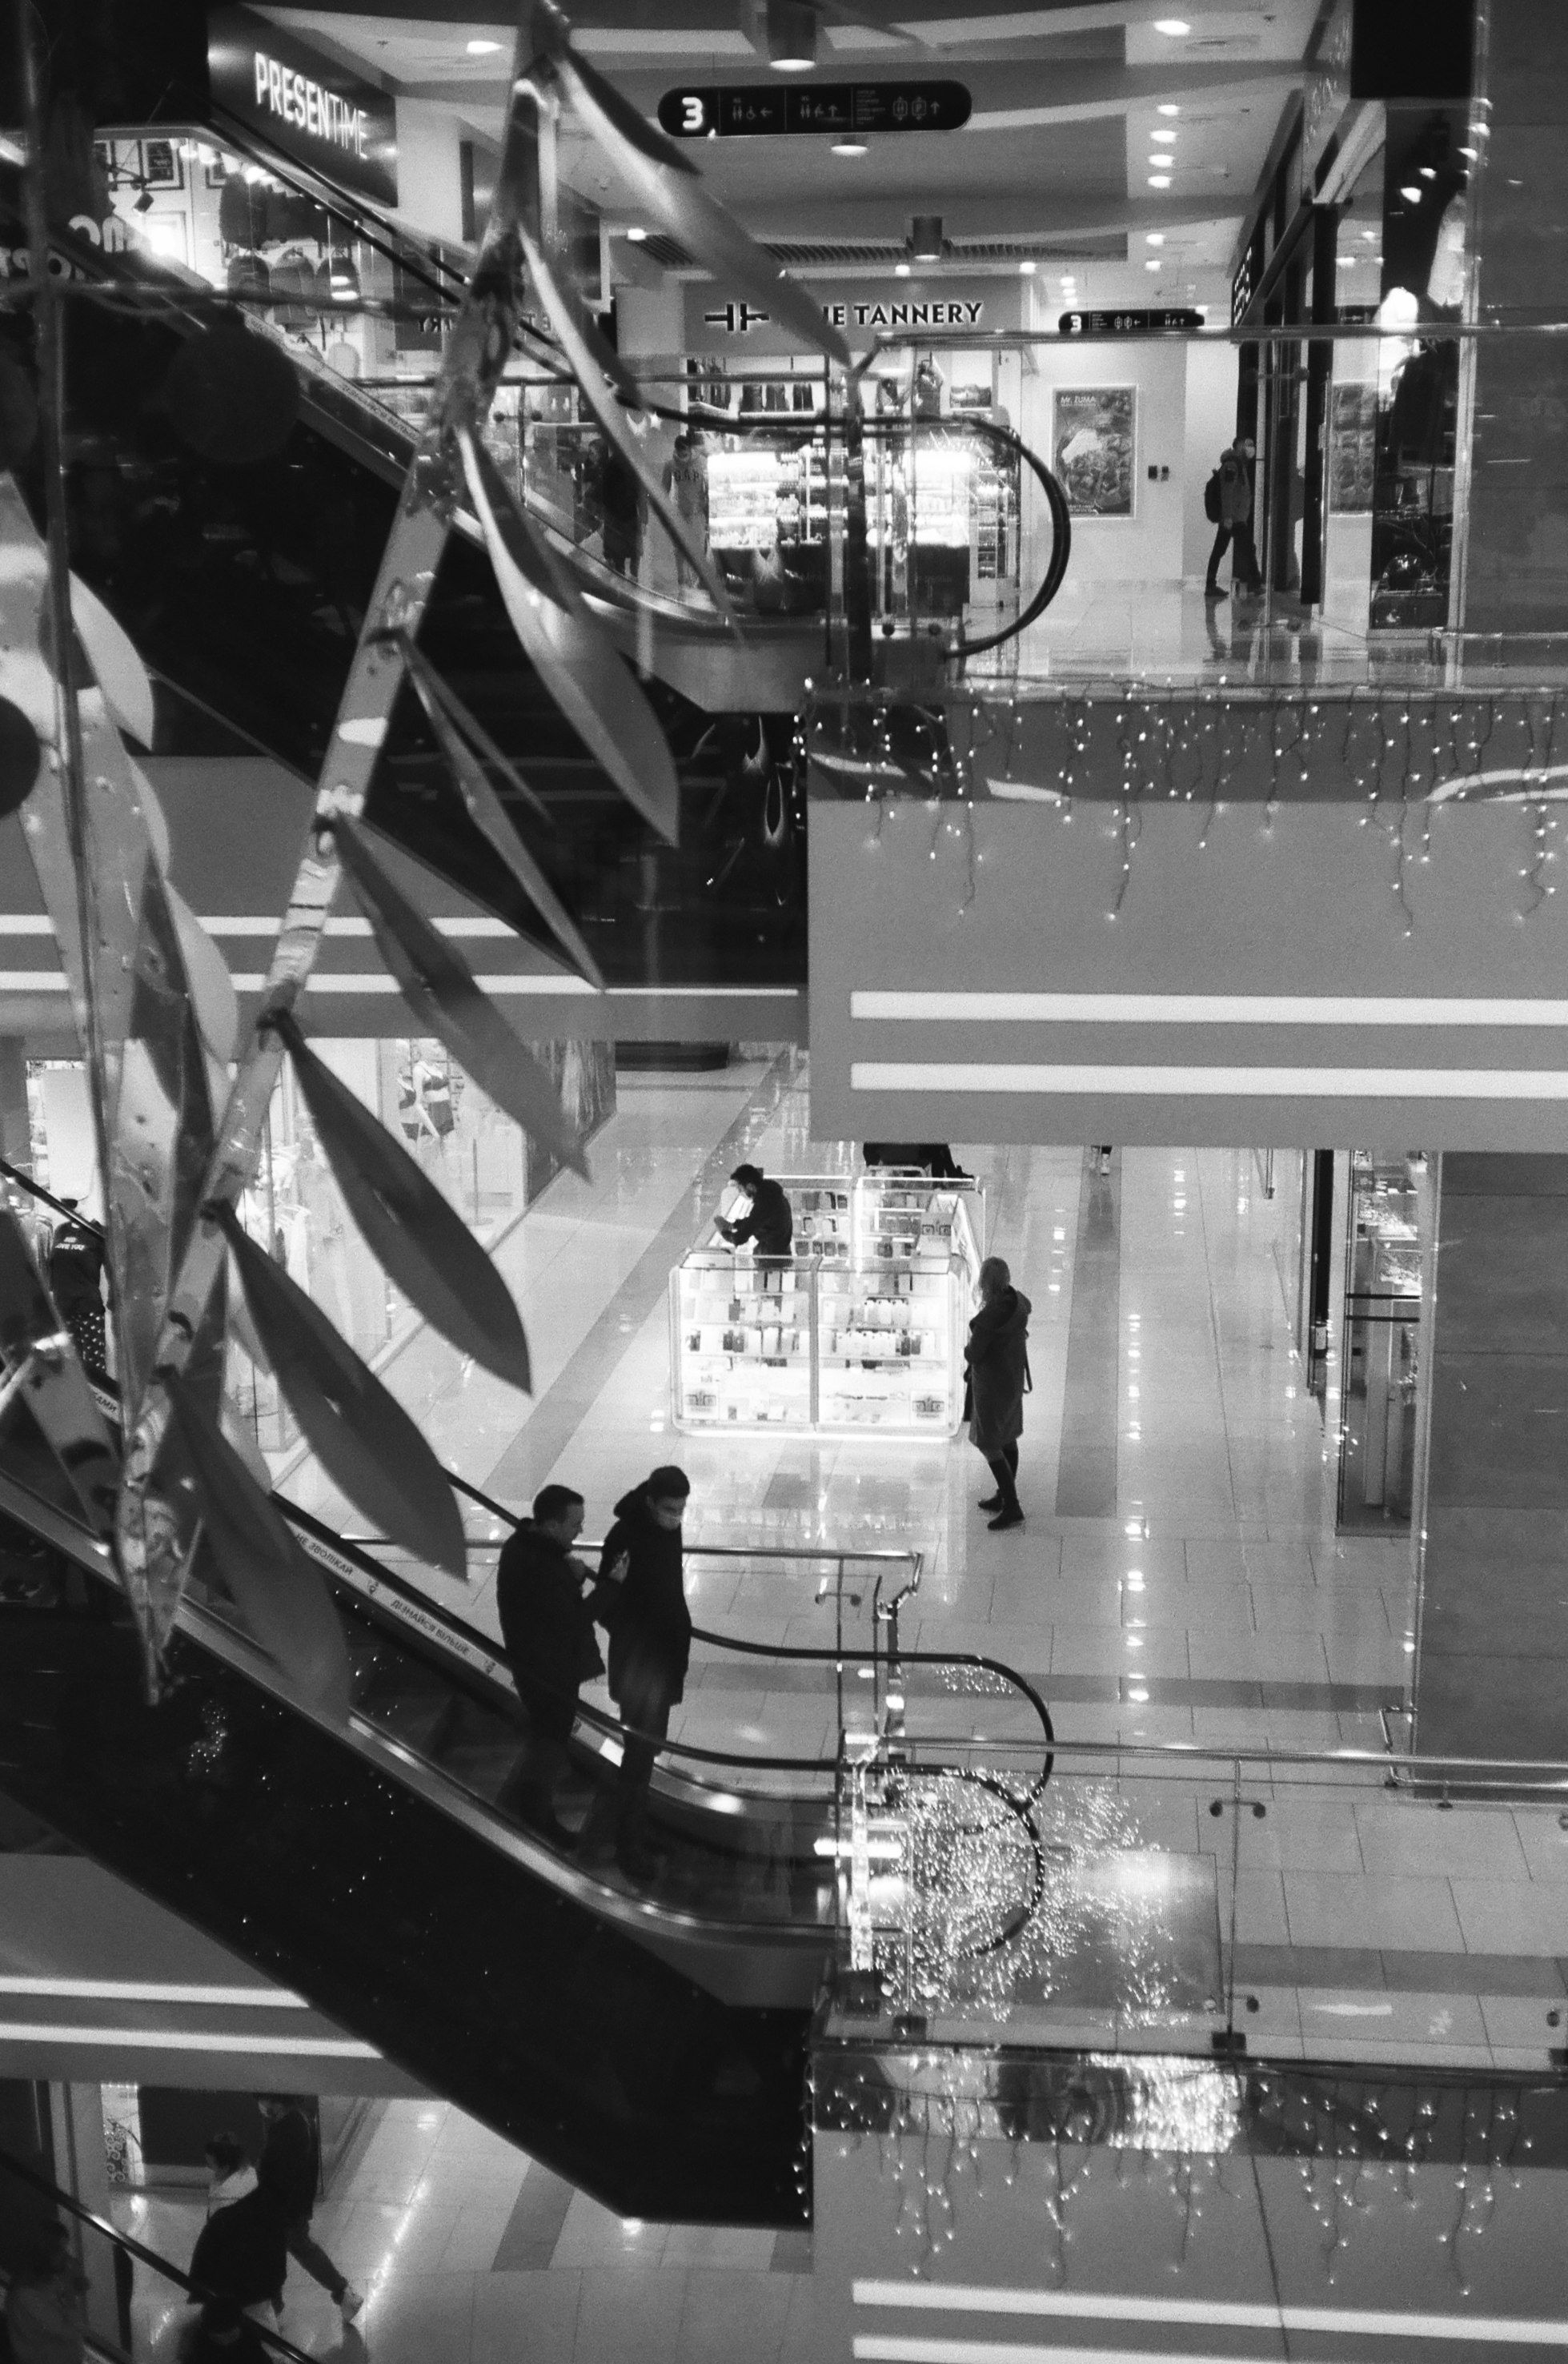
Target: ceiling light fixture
point(1155, 237)
point(1168, 106)
point(1152, 263)
point(1027, 267)
point(637, 234)
point(849, 146)
point(482, 49)
point(1172, 27)
point(1163, 139)
point(1159, 179)
point(791, 36)
point(1161, 163)
point(901, 271)
point(925, 238)
point(1412, 193)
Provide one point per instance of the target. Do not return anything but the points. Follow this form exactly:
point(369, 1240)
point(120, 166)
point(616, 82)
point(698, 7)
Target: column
point(16, 1139)
point(1492, 1669)
point(1517, 564)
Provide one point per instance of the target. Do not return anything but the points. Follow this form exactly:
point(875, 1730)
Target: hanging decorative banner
point(769, 110)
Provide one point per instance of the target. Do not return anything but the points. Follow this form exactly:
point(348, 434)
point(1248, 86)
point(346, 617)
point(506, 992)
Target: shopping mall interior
point(660, 592)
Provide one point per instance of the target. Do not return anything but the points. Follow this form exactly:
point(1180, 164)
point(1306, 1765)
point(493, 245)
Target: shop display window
point(1382, 1331)
point(863, 1329)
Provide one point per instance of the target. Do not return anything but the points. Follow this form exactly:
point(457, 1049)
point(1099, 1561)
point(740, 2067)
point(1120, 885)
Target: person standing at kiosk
point(768, 1222)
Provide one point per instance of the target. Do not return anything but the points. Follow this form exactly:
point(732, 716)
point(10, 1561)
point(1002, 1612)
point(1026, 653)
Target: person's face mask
point(668, 1515)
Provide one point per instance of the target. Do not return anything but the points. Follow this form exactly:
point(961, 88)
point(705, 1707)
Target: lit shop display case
point(1383, 1313)
point(944, 522)
point(864, 1329)
point(770, 500)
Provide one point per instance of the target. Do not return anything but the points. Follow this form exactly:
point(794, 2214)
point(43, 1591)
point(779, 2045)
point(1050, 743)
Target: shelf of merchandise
point(865, 1331)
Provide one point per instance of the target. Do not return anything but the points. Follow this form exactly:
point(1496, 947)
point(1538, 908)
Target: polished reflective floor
point(1178, 1583)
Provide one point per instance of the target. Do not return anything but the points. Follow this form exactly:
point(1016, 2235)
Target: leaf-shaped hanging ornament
point(572, 653)
point(121, 675)
point(592, 359)
point(361, 1436)
point(213, 997)
point(489, 815)
point(416, 1236)
point(441, 991)
point(283, 1600)
point(670, 186)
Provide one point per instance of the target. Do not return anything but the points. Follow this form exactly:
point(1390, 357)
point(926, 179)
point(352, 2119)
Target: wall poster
point(1352, 448)
point(1094, 447)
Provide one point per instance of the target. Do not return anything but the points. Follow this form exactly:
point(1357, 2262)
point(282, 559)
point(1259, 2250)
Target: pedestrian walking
point(288, 2172)
point(1227, 503)
point(623, 499)
point(685, 480)
point(641, 1599)
point(230, 2174)
point(547, 1628)
point(998, 1363)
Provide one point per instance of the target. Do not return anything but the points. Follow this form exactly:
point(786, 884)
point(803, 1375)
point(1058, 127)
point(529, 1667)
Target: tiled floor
point(470, 2253)
point(1178, 1580)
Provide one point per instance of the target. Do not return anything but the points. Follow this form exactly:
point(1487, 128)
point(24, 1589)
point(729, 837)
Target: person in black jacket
point(998, 1359)
point(286, 2174)
point(641, 1598)
point(241, 2253)
point(548, 1627)
point(768, 1222)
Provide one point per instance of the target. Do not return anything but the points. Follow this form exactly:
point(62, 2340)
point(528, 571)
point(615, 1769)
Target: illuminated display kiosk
point(864, 1329)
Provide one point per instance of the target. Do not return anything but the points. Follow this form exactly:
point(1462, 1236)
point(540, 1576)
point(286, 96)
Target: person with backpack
point(1228, 504)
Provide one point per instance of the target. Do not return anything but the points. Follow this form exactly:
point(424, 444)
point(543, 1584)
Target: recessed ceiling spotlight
point(1159, 179)
point(1163, 139)
point(849, 146)
point(1161, 163)
point(1172, 27)
point(1152, 263)
point(482, 49)
point(1168, 106)
point(901, 271)
point(1412, 193)
point(1155, 237)
point(637, 233)
point(1027, 267)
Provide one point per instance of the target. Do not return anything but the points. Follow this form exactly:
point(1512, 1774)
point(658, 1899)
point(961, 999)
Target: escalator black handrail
point(614, 1727)
point(138, 2250)
point(10, 1173)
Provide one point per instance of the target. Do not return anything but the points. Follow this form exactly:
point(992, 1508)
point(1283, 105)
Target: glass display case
point(944, 520)
point(1383, 1313)
point(770, 499)
point(863, 1329)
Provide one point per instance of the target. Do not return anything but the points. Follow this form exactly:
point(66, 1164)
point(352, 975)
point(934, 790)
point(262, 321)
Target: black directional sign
point(823, 108)
point(1129, 323)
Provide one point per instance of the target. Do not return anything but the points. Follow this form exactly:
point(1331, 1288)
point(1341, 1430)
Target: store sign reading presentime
point(766, 110)
point(302, 103)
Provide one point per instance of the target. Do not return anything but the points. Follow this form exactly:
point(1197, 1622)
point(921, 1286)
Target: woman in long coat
point(998, 1360)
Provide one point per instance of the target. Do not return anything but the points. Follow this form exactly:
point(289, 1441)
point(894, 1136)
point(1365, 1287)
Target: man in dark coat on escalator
point(641, 1598)
point(548, 1632)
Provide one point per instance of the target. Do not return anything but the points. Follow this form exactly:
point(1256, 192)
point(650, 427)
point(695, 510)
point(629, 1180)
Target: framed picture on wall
point(1094, 448)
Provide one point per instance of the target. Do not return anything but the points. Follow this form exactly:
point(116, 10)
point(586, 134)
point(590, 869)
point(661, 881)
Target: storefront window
point(1382, 1310)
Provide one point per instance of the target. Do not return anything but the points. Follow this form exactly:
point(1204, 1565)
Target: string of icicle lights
point(1240, 761)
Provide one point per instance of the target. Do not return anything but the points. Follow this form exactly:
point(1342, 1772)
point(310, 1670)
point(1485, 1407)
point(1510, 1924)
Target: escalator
point(244, 588)
point(648, 2040)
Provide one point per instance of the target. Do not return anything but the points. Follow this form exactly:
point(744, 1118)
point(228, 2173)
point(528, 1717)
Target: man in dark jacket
point(548, 1632)
point(641, 1598)
point(998, 1360)
point(287, 2173)
point(768, 1222)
